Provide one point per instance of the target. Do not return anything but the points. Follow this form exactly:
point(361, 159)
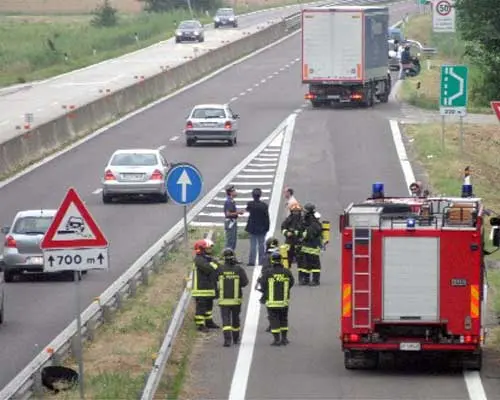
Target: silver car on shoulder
point(135, 172)
point(209, 122)
point(21, 251)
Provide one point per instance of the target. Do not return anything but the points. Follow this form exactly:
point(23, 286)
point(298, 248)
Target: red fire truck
point(413, 279)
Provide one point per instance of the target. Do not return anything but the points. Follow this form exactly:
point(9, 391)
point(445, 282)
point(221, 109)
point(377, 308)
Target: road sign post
point(443, 16)
point(184, 185)
point(75, 243)
point(454, 96)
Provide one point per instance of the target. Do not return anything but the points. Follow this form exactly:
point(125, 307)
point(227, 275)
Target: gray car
point(191, 31)
point(211, 122)
point(21, 251)
point(2, 300)
point(135, 172)
point(225, 17)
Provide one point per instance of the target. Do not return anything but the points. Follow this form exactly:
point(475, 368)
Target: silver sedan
point(209, 122)
point(135, 172)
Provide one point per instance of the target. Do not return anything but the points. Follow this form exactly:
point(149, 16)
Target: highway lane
point(38, 311)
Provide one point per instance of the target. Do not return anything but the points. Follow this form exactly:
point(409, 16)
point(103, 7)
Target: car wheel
point(177, 40)
point(106, 198)
point(315, 104)
point(163, 198)
point(235, 25)
point(8, 276)
point(216, 26)
point(189, 142)
point(230, 142)
point(235, 140)
point(201, 40)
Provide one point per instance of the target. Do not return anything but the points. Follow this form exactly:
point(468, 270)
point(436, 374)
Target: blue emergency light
point(467, 191)
point(377, 190)
point(410, 223)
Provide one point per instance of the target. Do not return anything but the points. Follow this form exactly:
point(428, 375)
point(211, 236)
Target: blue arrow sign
point(184, 183)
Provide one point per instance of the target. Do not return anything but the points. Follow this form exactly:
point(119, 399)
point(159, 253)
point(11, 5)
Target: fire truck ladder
point(362, 236)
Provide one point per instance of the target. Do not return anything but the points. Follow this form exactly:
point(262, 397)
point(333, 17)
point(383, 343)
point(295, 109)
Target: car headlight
point(231, 19)
point(216, 19)
point(178, 33)
point(196, 33)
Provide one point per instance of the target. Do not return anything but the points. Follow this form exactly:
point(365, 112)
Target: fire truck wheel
point(473, 361)
point(360, 360)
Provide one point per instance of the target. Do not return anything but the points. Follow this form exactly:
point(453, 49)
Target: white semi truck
point(344, 54)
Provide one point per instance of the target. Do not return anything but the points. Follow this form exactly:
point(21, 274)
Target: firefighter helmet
point(229, 255)
point(295, 207)
point(310, 208)
point(203, 246)
point(272, 243)
point(275, 257)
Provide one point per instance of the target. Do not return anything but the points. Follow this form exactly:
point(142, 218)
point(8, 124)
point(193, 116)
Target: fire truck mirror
point(341, 223)
point(495, 221)
point(496, 237)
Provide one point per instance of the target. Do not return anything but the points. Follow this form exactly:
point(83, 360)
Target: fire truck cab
point(413, 278)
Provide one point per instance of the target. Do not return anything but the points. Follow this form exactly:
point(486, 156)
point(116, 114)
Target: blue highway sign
point(184, 183)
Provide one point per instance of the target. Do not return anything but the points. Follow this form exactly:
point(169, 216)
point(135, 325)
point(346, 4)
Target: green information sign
point(453, 99)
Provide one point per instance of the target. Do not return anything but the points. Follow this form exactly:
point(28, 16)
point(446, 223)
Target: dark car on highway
point(190, 31)
point(225, 17)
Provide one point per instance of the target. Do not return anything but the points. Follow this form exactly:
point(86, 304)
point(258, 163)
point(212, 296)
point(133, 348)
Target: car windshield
point(209, 113)
point(32, 225)
point(188, 25)
point(225, 12)
point(130, 159)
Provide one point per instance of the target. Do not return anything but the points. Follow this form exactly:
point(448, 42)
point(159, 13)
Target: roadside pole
point(74, 243)
point(184, 185)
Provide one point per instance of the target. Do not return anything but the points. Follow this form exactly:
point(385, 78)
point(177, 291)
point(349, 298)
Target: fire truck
point(413, 278)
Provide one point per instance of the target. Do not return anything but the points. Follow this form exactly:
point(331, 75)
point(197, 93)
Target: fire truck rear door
point(410, 279)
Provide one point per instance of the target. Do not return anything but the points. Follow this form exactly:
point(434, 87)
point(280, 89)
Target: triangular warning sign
point(73, 226)
point(495, 105)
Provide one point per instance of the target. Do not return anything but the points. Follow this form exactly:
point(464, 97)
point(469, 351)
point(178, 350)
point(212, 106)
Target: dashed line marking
point(242, 94)
point(281, 69)
point(256, 176)
point(252, 183)
point(234, 98)
point(258, 170)
point(270, 77)
point(249, 89)
point(97, 191)
point(296, 111)
point(263, 80)
point(255, 85)
point(297, 59)
point(276, 73)
point(174, 138)
point(162, 147)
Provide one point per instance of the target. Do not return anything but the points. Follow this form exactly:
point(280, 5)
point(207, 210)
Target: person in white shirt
point(289, 200)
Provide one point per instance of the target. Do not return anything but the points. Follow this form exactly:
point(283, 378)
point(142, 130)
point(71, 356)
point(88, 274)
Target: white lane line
point(472, 378)
point(242, 93)
point(263, 165)
point(97, 191)
point(277, 142)
point(218, 214)
point(251, 190)
point(255, 85)
point(296, 111)
point(249, 89)
point(263, 80)
point(162, 147)
point(259, 170)
point(276, 73)
point(251, 183)
point(297, 59)
point(241, 176)
point(270, 77)
point(266, 159)
point(270, 150)
point(269, 155)
point(242, 199)
point(174, 138)
point(5, 122)
point(245, 353)
point(233, 98)
point(282, 68)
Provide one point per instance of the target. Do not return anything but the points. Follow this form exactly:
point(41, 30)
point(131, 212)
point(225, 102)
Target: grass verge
point(120, 357)
point(444, 171)
point(450, 51)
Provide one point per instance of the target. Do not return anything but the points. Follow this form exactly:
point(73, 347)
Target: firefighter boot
point(306, 278)
point(284, 338)
point(315, 279)
point(236, 337)
point(302, 278)
point(268, 329)
point(277, 341)
point(227, 339)
point(202, 328)
point(211, 324)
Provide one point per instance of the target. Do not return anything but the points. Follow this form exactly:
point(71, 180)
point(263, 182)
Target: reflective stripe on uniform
point(315, 270)
point(284, 329)
point(227, 328)
point(236, 300)
point(271, 302)
point(214, 265)
point(315, 251)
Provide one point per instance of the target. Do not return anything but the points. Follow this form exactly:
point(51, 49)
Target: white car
point(211, 122)
point(135, 172)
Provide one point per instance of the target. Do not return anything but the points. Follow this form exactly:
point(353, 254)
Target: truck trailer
point(413, 280)
point(344, 54)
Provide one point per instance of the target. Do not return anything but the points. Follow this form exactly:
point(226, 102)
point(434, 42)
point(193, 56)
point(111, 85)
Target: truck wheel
point(473, 361)
point(360, 360)
point(349, 362)
point(315, 104)
point(369, 98)
point(384, 98)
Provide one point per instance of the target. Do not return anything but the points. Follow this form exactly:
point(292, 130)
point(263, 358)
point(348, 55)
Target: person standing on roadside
point(289, 200)
point(257, 227)
point(231, 215)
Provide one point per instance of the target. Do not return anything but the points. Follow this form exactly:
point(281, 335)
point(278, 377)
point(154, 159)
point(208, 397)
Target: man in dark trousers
point(276, 284)
point(231, 214)
point(311, 245)
point(272, 245)
point(231, 279)
point(204, 284)
point(292, 228)
point(257, 226)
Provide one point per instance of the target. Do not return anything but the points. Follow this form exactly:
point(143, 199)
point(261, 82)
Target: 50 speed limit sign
point(443, 16)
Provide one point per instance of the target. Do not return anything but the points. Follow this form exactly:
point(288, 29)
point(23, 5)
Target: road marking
point(251, 183)
point(249, 89)
point(256, 85)
point(276, 73)
point(5, 122)
point(162, 147)
point(245, 353)
point(297, 110)
point(258, 170)
point(242, 176)
point(297, 59)
point(242, 199)
point(472, 378)
point(113, 124)
point(174, 138)
point(275, 158)
point(97, 191)
point(251, 190)
point(270, 77)
point(269, 150)
point(281, 69)
point(262, 165)
point(242, 93)
point(233, 98)
point(263, 80)
point(217, 214)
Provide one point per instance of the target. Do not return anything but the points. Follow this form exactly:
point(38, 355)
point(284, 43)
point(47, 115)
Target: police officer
point(311, 246)
point(204, 284)
point(292, 229)
point(276, 284)
point(231, 279)
point(272, 245)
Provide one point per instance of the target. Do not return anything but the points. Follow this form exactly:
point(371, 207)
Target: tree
point(169, 5)
point(105, 15)
point(479, 25)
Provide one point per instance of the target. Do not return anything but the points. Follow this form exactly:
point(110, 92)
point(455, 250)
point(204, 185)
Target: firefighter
point(272, 245)
point(204, 284)
point(231, 279)
point(311, 246)
point(292, 229)
point(276, 283)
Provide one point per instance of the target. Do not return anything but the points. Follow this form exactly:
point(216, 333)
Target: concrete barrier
point(32, 145)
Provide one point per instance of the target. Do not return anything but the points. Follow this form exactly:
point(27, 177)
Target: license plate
point(332, 97)
point(132, 177)
point(210, 124)
point(409, 347)
point(35, 260)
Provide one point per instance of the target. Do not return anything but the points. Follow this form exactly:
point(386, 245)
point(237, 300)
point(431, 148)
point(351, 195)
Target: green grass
point(450, 51)
point(25, 54)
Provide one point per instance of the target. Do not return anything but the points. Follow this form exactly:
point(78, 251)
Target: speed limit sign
point(443, 16)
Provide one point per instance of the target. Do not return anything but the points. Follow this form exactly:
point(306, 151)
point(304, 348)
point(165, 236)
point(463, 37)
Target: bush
point(105, 15)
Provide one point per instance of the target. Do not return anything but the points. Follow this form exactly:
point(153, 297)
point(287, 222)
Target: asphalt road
point(37, 311)
point(336, 155)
